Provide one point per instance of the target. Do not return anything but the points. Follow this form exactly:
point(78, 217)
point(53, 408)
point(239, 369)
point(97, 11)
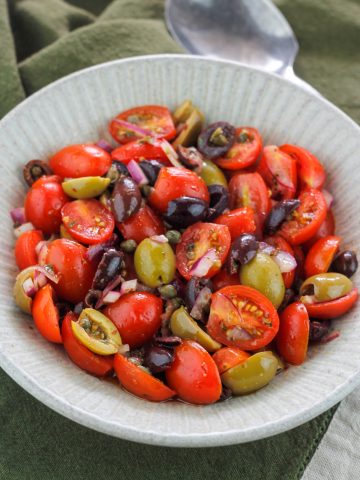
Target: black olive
point(109, 267)
point(170, 341)
point(125, 199)
point(346, 263)
point(193, 288)
point(63, 308)
point(289, 297)
point(219, 201)
point(92, 298)
point(243, 249)
point(79, 307)
point(185, 211)
point(158, 359)
point(318, 329)
point(116, 170)
point(279, 213)
point(217, 139)
point(151, 168)
point(35, 169)
point(190, 157)
point(226, 393)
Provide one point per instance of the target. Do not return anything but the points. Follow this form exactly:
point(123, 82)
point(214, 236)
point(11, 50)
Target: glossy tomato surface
point(334, 308)
point(244, 152)
point(143, 224)
point(229, 357)
point(281, 244)
point(139, 150)
point(293, 336)
point(46, 315)
point(241, 220)
point(321, 255)
point(83, 160)
point(25, 248)
point(310, 171)
point(224, 278)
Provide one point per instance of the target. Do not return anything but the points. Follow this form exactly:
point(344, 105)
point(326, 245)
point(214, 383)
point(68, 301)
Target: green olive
point(263, 274)
point(85, 187)
point(21, 299)
point(183, 112)
point(105, 199)
point(251, 375)
point(182, 325)
point(212, 175)
point(96, 332)
point(155, 263)
point(326, 286)
point(192, 128)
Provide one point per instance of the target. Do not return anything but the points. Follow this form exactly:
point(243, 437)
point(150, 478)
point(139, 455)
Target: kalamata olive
point(35, 169)
point(225, 394)
point(109, 267)
point(91, 299)
point(193, 288)
point(185, 211)
point(216, 139)
point(158, 359)
point(318, 329)
point(346, 263)
point(219, 201)
point(63, 309)
point(191, 158)
point(116, 170)
point(289, 297)
point(279, 213)
point(170, 341)
point(125, 199)
point(79, 307)
point(242, 250)
point(151, 168)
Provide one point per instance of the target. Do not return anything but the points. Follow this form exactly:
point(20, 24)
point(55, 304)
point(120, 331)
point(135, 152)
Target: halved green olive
point(21, 299)
point(155, 263)
point(212, 175)
point(183, 111)
point(253, 374)
point(96, 332)
point(85, 187)
point(192, 128)
point(326, 286)
point(182, 325)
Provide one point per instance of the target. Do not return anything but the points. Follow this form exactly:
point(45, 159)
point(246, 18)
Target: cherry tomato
point(242, 317)
point(333, 308)
point(140, 383)
point(326, 228)
point(43, 204)
point(155, 119)
point(99, 365)
point(223, 279)
point(281, 244)
point(321, 255)
point(137, 316)
point(175, 182)
point(293, 337)
point(88, 221)
point(139, 150)
point(46, 315)
point(245, 150)
point(196, 241)
point(306, 219)
point(83, 160)
point(300, 260)
point(229, 357)
point(144, 223)
point(194, 375)
point(74, 270)
point(241, 220)
point(309, 169)
point(279, 172)
point(25, 253)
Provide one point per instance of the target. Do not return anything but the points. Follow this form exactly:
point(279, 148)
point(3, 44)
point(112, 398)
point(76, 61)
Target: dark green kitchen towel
point(42, 40)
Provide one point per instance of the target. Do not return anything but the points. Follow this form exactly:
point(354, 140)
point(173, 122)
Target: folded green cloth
point(42, 40)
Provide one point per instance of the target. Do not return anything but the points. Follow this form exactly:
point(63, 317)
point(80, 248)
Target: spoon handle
point(290, 75)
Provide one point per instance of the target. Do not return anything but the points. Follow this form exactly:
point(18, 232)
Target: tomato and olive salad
point(190, 262)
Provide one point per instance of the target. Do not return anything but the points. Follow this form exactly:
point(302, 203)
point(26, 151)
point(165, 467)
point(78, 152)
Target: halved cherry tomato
point(306, 219)
point(194, 375)
point(139, 150)
point(25, 253)
point(83, 160)
point(300, 260)
point(242, 317)
point(156, 119)
point(293, 336)
point(46, 315)
point(334, 308)
point(310, 171)
point(245, 150)
point(174, 183)
point(326, 228)
point(281, 244)
point(140, 383)
point(137, 316)
point(196, 241)
point(144, 223)
point(223, 279)
point(229, 357)
point(321, 255)
point(279, 172)
point(88, 221)
point(241, 220)
point(99, 365)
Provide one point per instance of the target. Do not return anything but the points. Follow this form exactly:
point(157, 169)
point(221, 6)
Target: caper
point(21, 299)
point(154, 262)
point(346, 263)
point(167, 291)
point(35, 169)
point(212, 175)
point(129, 246)
point(85, 187)
point(192, 127)
point(174, 236)
point(217, 139)
point(324, 287)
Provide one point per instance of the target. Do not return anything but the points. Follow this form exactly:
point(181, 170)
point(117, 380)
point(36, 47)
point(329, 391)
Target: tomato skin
point(326, 228)
point(194, 375)
point(143, 224)
point(83, 160)
point(334, 308)
point(242, 155)
point(281, 244)
point(137, 316)
point(293, 336)
point(139, 151)
point(140, 383)
point(46, 315)
point(309, 169)
point(228, 357)
point(98, 365)
point(25, 253)
point(224, 279)
point(320, 255)
point(176, 182)
point(238, 221)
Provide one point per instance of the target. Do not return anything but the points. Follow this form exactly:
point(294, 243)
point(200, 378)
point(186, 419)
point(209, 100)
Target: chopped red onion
point(238, 333)
point(111, 297)
point(137, 173)
point(29, 287)
point(18, 215)
point(39, 246)
point(109, 288)
point(105, 145)
point(169, 151)
point(42, 251)
point(201, 267)
point(123, 349)
point(329, 199)
point(159, 239)
point(128, 286)
point(95, 252)
point(285, 261)
point(201, 302)
point(135, 128)
point(25, 227)
point(266, 248)
point(39, 279)
point(48, 271)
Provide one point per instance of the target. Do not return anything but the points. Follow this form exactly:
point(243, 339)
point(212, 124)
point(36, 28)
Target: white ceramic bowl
point(77, 108)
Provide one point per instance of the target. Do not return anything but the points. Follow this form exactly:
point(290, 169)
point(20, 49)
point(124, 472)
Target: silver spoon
point(252, 32)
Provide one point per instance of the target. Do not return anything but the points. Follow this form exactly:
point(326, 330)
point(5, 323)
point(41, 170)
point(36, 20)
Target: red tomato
point(279, 172)
point(244, 152)
point(75, 271)
point(229, 357)
point(88, 221)
point(84, 160)
point(140, 383)
point(175, 182)
point(281, 244)
point(334, 308)
point(306, 219)
point(196, 241)
point(139, 150)
point(300, 260)
point(46, 315)
point(194, 375)
point(43, 204)
point(223, 279)
point(137, 316)
point(321, 255)
point(155, 119)
point(326, 228)
point(293, 337)
point(309, 169)
point(241, 220)
point(99, 365)
point(144, 223)
point(25, 253)
point(234, 322)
